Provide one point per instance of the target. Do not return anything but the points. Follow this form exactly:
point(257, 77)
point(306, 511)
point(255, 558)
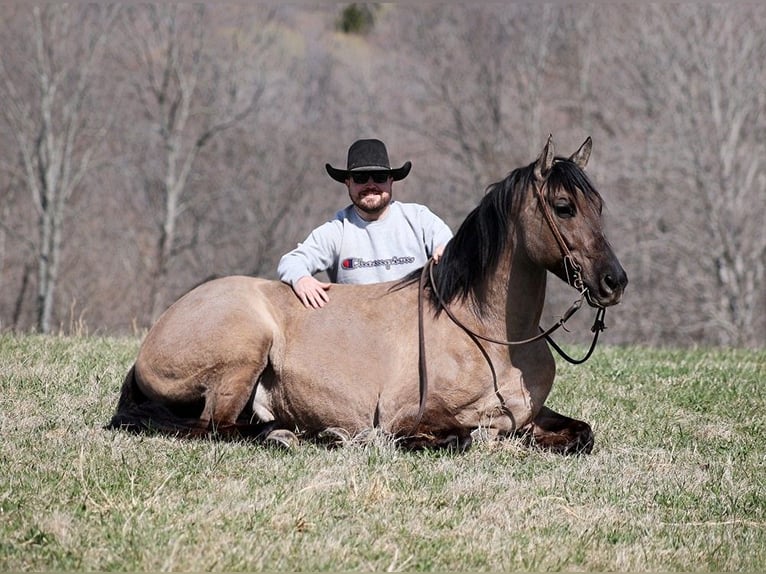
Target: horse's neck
point(516, 294)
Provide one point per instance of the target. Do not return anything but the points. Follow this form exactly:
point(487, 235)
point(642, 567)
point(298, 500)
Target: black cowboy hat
point(368, 155)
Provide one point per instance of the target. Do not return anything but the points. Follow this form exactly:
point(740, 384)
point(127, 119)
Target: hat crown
point(367, 154)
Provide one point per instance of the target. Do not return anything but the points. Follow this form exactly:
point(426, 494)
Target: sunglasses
point(364, 176)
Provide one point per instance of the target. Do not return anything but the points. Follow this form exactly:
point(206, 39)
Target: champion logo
point(359, 263)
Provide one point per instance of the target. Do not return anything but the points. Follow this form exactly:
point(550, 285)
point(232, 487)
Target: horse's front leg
point(557, 433)
point(460, 440)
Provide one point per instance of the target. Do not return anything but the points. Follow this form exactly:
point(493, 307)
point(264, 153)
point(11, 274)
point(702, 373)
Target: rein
point(574, 279)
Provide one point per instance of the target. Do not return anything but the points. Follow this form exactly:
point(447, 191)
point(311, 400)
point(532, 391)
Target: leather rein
point(574, 278)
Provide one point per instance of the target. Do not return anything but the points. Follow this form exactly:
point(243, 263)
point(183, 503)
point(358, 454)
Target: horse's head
point(563, 228)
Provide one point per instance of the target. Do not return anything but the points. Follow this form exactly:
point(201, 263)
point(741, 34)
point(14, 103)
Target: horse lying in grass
point(242, 356)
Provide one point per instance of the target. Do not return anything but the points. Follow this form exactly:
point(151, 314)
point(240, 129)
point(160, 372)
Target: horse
point(241, 356)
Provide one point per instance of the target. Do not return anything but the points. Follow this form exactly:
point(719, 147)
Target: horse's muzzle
point(610, 288)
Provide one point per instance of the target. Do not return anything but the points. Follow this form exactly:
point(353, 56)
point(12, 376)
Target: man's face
point(370, 192)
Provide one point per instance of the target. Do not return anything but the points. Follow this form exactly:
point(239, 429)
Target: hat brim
point(341, 175)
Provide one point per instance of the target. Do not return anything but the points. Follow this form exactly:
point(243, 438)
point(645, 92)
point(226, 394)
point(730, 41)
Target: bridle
point(573, 273)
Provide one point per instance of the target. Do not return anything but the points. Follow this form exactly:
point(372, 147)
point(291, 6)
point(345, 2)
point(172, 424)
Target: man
point(372, 240)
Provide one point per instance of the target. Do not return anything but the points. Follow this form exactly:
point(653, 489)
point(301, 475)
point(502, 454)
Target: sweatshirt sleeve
point(317, 253)
point(435, 231)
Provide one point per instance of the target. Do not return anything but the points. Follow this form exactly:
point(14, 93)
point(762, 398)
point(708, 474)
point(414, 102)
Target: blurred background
point(147, 148)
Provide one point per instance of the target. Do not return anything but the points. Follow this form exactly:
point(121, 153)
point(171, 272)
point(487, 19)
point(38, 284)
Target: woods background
point(145, 148)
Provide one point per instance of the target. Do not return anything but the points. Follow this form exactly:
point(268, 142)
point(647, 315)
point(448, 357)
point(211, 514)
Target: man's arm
point(437, 254)
point(437, 234)
point(317, 253)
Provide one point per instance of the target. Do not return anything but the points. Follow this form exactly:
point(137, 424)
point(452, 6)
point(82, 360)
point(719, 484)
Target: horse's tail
point(137, 413)
point(130, 395)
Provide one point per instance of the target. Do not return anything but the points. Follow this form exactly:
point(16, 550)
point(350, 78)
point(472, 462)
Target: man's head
point(370, 192)
point(369, 177)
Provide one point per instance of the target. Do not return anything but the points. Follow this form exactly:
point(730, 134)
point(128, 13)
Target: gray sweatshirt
point(353, 250)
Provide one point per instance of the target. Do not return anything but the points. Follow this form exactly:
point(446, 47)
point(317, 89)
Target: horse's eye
point(564, 209)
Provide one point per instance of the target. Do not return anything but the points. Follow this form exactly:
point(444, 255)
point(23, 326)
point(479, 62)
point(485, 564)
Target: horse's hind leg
point(226, 400)
point(557, 433)
point(227, 397)
point(459, 441)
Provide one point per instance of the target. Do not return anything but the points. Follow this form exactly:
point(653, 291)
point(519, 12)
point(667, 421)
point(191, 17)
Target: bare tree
point(47, 104)
point(677, 94)
point(722, 80)
point(216, 162)
point(485, 86)
point(696, 72)
point(190, 91)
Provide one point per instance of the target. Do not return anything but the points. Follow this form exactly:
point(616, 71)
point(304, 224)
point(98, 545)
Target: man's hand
point(312, 292)
point(438, 253)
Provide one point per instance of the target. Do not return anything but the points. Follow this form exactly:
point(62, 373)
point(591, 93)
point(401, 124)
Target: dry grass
point(676, 482)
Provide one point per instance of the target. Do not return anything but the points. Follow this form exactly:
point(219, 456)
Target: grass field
point(677, 481)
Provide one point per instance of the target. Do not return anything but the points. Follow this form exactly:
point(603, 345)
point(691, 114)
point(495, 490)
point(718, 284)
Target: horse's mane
point(473, 254)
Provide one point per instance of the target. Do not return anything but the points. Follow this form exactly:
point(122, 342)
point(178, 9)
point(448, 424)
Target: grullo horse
point(242, 356)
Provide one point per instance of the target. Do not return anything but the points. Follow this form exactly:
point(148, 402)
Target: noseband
point(573, 273)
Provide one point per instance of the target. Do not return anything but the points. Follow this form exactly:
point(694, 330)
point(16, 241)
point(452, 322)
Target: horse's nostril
point(614, 282)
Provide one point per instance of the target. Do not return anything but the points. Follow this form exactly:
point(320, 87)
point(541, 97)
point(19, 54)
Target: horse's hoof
point(456, 442)
point(583, 445)
point(366, 436)
point(565, 443)
point(282, 438)
point(334, 436)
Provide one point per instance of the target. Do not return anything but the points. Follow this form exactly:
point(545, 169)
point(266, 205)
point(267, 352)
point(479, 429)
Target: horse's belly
point(320, 398)
point(337, 363)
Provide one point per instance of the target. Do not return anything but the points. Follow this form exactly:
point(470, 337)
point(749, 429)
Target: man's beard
point(379, 207)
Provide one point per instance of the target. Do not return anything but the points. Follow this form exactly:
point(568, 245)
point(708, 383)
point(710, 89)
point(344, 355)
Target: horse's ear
point(582, 155)
point(544, 163)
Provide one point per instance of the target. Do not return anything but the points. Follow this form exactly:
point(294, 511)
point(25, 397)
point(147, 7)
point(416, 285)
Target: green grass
point(676, 481)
